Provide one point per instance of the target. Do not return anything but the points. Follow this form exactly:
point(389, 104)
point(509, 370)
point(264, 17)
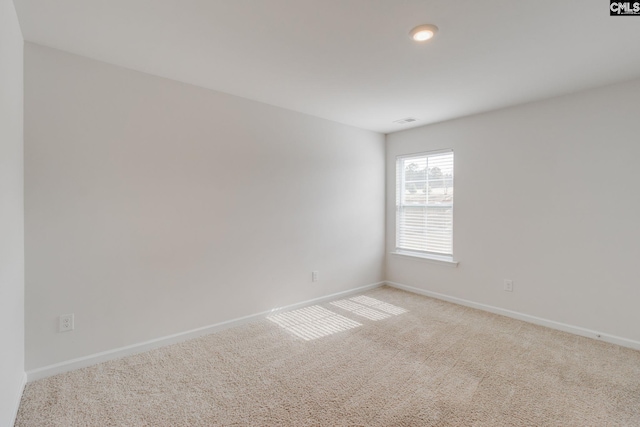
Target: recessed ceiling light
point(423, 33)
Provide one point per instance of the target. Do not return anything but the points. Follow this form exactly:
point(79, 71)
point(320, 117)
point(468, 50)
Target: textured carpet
point(391, 358)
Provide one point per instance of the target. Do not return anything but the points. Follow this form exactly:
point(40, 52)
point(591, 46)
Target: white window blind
point(424, 203)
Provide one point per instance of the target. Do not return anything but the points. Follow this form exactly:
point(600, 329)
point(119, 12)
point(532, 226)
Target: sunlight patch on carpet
point(379, 305)
point(360, 310)
point(313, 322)
point(370, 308)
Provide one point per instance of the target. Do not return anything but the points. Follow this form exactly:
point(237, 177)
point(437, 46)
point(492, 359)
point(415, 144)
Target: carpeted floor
point(390, 359)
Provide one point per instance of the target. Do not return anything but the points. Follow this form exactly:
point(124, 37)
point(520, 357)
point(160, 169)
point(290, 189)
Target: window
point(424, 204)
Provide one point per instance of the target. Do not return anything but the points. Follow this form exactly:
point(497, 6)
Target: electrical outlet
point(508, 285)
point(314, 276)
point(66, 323)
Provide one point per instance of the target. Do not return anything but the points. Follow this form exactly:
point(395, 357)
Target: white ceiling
point(352, 61)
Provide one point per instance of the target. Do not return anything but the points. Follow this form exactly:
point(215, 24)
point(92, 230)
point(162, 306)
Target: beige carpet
point(392, 359)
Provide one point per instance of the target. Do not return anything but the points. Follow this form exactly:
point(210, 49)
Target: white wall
point(546, 194)
point(11, 214)
point(154, 207)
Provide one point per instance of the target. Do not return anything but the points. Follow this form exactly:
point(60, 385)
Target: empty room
point(319, 213)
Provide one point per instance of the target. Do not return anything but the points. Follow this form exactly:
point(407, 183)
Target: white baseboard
point(93, 359)
point(16, 406)
point(117, 353)
point(624, 342)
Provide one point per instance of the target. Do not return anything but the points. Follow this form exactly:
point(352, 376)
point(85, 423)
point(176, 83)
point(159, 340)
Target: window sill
point(435, 259)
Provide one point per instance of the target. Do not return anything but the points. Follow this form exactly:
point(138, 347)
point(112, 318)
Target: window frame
point(400, 182)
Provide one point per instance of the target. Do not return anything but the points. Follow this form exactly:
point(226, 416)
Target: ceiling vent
point(405, 121)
